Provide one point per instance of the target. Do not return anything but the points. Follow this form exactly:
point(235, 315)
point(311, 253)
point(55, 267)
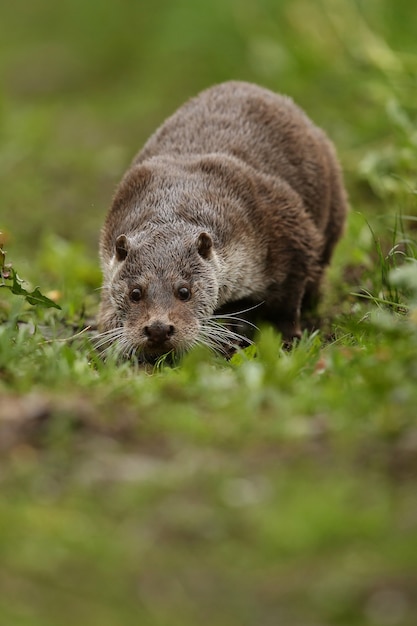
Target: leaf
point(35, 297)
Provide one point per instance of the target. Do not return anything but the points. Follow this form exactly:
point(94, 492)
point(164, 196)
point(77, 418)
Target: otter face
point(158, 291)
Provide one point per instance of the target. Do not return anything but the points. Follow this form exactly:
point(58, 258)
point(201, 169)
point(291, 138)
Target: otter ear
point(122, 247)
point(204, 245)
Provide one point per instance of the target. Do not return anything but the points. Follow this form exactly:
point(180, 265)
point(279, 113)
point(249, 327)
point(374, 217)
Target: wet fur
point(247, 169)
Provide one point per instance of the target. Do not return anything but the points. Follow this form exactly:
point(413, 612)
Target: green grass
point(277, 488)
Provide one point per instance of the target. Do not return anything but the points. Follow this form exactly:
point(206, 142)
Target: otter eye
point(135, 295)
point(184, 293)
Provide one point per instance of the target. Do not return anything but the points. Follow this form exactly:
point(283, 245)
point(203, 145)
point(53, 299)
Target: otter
point(236, 200)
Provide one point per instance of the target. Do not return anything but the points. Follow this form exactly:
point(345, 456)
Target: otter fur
point(237, 198)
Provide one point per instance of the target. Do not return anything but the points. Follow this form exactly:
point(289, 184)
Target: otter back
point(237, 197)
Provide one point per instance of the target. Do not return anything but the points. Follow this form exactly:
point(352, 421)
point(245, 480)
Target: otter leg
point(285, 313)
point(288, 324)
point(312, 296)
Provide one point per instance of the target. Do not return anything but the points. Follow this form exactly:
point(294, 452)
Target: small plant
point(9, 279)
point(383, 291)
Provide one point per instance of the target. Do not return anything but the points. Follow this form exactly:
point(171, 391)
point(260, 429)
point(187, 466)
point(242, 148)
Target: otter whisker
point(228, 318)
point(212, 345)
point(220, 344)
point(103, 288)
point(232, 319)
point(218, 334)
point(107, 337)
point(124, 350)
point(251, 308)
point(218, 338)
point(226, 332)
point(105, 346)
point(108, 340)
point(109, 332)
point(100, 341)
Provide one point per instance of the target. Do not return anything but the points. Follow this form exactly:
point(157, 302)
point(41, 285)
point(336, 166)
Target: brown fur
point(236, 197)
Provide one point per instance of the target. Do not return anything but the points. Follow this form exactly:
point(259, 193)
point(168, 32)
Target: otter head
point(159, 289)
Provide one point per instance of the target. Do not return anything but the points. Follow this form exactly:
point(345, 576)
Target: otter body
point(237, 197)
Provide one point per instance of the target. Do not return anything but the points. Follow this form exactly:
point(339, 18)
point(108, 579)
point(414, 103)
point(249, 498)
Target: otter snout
point(158, 333)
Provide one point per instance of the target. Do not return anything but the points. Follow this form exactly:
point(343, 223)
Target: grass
point(270, 489)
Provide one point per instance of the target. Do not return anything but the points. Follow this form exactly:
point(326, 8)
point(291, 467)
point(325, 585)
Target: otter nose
point(158, 332)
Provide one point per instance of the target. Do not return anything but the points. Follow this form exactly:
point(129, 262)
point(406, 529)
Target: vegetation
point(278, 487)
